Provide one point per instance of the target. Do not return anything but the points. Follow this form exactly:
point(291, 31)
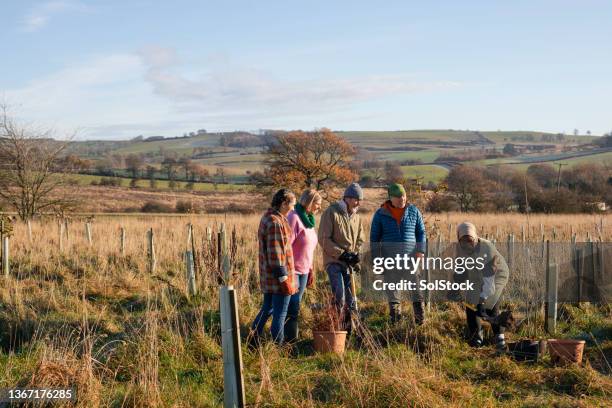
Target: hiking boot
point(419, 312)
point(476, 339)
point(395, 312)
point(476, 343)
point(347, 322)
point(500, 343)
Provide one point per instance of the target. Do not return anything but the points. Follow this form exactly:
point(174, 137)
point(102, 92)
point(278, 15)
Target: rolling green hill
point(415, 150)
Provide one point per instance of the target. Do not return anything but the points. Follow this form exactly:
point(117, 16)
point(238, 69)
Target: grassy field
point(429, 173)
point(423, 145)
point(94, 318)
point(88, 179)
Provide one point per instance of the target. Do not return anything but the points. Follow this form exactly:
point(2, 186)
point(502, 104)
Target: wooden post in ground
point(233, 380)
point(189, 234)
point(194, 253)
point(439, 245)
point(88, 232)
point(190, 274)
point(600, 252)
point(593, 269)
point(552, 279)
point(29, 231)
point(5, 256)
point(510, 245)
point(522, 233)
point(122, 241)
point(151, 251)
point(61, 235)
point(66, 228)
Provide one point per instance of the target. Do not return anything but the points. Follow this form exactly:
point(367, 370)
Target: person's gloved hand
point(354, 259)
point(286, 286)
point(480, 310)
point(350, 258)
point(345, 257)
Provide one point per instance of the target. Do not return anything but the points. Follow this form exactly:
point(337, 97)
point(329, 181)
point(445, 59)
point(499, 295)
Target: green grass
point(428, 172)
point(600, 158)
point(180, 145)
point(426, 156)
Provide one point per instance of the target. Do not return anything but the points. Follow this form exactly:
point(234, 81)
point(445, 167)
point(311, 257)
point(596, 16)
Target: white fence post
point(233, 382)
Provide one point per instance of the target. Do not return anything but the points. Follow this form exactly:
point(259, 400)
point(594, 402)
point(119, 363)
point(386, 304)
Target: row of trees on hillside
point(542, 188)
point(324, 160)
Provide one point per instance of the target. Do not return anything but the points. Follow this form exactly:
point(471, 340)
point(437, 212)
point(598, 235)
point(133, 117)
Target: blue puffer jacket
point(387, 238)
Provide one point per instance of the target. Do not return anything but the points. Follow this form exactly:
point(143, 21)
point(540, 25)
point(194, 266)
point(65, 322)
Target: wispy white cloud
point(153, 92)
point(39, 16)
point(225, 86)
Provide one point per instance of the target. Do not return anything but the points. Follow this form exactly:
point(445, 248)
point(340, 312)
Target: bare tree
point(28, 160)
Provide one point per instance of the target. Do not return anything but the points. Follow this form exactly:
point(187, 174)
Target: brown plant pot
point(565, 351)
point(329, 341)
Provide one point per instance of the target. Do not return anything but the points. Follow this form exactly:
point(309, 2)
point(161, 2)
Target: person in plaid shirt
point(277, 276)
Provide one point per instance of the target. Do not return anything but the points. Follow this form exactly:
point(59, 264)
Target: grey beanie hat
point(354, 191)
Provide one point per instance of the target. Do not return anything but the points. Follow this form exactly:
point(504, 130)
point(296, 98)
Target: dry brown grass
point(90, 316)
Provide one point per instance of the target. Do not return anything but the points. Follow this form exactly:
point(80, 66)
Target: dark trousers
point(475, 324)
point(344, 298)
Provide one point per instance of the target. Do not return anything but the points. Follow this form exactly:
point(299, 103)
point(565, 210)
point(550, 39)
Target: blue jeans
point(274, 305)
point(293, 311)
point(340, 281)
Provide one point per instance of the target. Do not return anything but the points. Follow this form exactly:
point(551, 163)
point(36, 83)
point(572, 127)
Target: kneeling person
point(489, 283)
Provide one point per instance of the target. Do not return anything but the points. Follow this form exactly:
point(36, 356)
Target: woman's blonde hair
point(309, 196)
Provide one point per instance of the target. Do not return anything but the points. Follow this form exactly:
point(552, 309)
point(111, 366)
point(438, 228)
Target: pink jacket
point(303, 242)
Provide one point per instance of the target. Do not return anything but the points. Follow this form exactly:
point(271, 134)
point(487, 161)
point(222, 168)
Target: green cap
point(396, 190)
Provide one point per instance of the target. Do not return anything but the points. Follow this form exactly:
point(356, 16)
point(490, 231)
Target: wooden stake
point(29, 231)
point(122, 241)
point(5, 256)
point(61, 236)
point(88, 232)
point(151, 251)
point(189, 234)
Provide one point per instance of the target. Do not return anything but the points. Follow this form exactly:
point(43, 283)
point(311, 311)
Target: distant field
point(538, 137)
point(394, 146)
point(180, 145)
point(566, 157)
point(86, 179)
point(426, 156)
point(429, 173)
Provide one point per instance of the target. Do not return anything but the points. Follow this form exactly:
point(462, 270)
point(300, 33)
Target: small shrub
point(110, 181)
point(156, 207)
point(184, 206)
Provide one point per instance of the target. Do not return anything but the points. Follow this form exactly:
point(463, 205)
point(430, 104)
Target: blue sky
point(117, 69)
